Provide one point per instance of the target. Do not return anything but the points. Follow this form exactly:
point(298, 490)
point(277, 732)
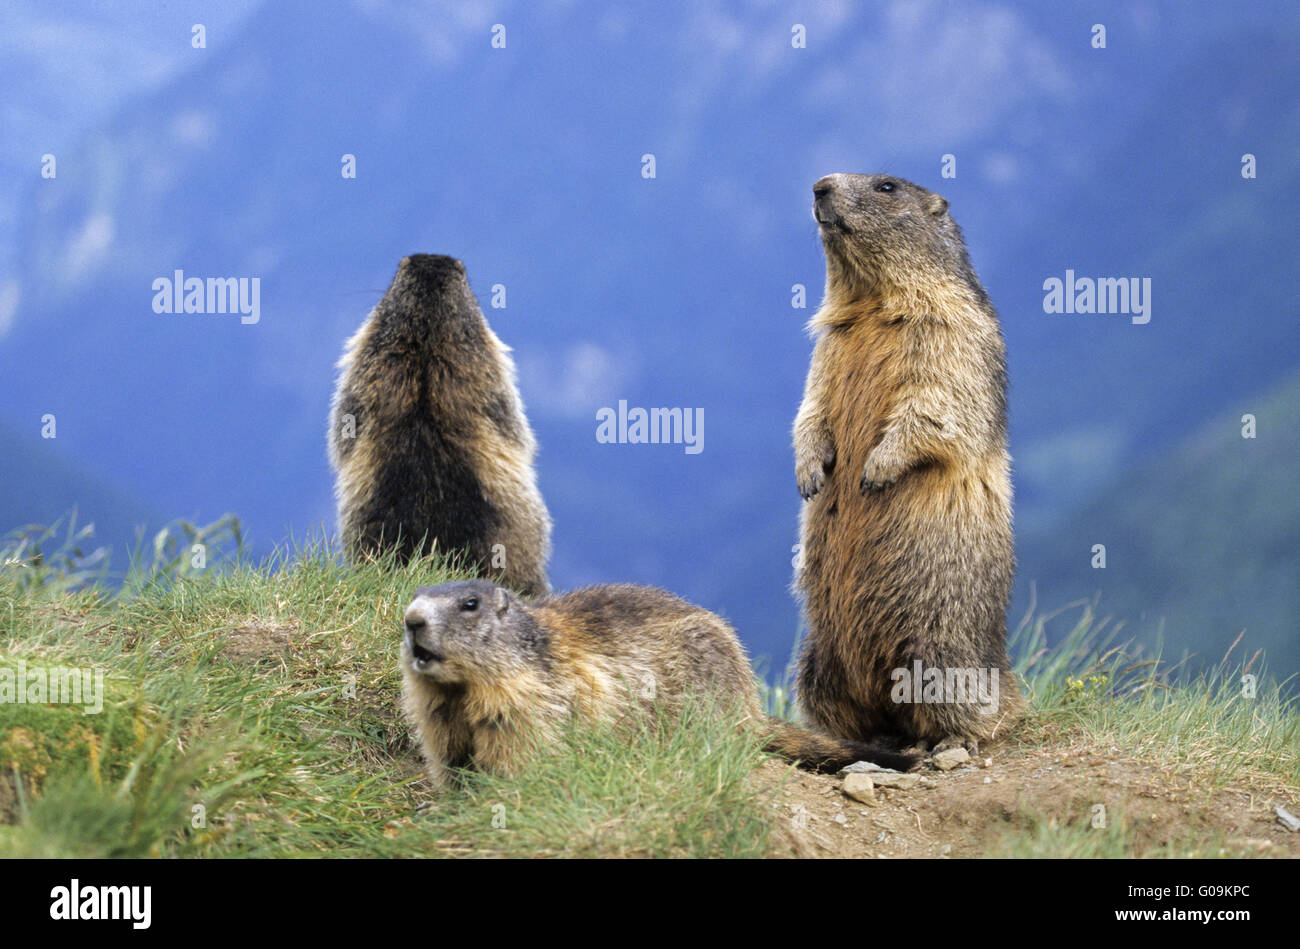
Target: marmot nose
point(415, 622)
point(824, 186)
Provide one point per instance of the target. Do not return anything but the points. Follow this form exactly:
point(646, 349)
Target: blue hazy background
point(526, 163)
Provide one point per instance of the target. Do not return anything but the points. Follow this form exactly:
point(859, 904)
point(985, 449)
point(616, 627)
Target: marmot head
point(880, 230)
point(430, 296)
point(468, 631)
point(428, 273)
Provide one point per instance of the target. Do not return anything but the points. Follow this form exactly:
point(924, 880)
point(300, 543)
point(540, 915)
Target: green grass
point(1094, 688)
point(251, 710)
point(267, 697)
point(1038, 835)
point(641, 788)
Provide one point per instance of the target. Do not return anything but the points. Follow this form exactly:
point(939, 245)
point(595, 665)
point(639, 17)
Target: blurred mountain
point(1202, 537)
point(43, 487)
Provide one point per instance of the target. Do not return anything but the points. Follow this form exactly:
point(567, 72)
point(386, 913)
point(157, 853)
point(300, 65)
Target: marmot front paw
point(881, 471)
point(810, 470)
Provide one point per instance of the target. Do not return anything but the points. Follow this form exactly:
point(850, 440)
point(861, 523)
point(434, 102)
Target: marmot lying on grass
point(485, 673)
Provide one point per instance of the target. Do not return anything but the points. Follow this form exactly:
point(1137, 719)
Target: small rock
point(927, 782)
point(945, 850)
point(840, 819)
point(947, 760)
point(893, 779)
point(988, 762)
point(865, 767)
point(860, 787)
point(1287, 819)
point(988, 780)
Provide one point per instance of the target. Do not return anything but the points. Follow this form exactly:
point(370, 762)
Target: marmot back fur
point(428, 436)
point(901, 453)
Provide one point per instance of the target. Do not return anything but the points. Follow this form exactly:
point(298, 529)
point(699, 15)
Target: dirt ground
point(973, 811)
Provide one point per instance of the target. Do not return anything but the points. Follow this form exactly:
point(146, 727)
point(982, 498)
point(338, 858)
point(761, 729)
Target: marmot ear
point(502, 601)
point(935, 204)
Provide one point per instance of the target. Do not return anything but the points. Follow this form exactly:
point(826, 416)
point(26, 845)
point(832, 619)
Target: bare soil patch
point(970, 811)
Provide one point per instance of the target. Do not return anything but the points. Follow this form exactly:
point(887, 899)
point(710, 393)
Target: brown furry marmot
point(428, 437)
point(485, 674)
point(901, 453)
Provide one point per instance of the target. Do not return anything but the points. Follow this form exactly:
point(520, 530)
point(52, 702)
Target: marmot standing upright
point(485, 675)
point(901, 454)
point(428, 437)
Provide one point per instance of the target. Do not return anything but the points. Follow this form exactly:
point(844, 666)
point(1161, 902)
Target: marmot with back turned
point(486, 676)
point(901, 454)
point(428, 437)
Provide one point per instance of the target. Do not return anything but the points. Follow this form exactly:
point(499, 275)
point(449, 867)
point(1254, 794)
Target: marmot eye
point(885, 186)
point(470, 605)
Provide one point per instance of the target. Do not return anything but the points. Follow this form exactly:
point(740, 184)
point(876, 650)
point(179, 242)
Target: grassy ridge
point(252, 711)
point(1232, 720)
